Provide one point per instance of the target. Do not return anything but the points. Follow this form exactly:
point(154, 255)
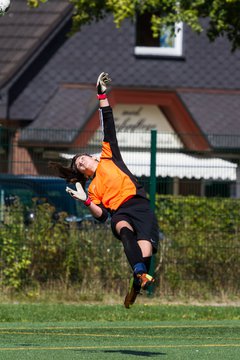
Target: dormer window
point(167, 44)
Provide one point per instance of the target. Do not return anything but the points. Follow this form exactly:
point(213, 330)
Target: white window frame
point(177, 50)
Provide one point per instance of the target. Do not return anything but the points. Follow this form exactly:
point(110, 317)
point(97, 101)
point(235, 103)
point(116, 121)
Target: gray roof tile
point(23, 30)
point(63, 116)
point(217, 114)
point(101, 47)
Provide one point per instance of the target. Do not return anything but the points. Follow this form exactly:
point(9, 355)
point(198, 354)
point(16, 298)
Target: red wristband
point(101, 96)
point(87, 202)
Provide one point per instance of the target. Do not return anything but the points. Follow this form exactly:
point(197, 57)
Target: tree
point(223, 16)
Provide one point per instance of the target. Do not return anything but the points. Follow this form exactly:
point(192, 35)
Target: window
point(165, 45)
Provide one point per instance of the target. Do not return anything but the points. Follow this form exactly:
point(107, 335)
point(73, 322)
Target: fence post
point(153, 169)
point(153, 191)
point(238, 181)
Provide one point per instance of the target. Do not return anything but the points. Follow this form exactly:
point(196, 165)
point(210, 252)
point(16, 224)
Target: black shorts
point(137, 212)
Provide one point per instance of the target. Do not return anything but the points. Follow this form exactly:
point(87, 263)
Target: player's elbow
point(103, 217)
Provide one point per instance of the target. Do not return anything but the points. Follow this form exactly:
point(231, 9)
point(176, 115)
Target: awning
point(177, 165)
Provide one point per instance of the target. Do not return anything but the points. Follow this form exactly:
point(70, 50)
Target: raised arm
point(106, 115)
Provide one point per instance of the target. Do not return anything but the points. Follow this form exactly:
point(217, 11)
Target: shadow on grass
point(127, 352)
point(136, 352)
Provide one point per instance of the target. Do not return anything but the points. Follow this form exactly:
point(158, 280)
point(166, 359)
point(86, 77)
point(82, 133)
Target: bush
point(15, 255)
point(199, 253)
point(201, 245)
point(48, 251)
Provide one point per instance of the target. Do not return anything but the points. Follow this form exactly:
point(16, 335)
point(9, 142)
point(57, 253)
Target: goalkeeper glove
point(102, 83)
point(79, 194)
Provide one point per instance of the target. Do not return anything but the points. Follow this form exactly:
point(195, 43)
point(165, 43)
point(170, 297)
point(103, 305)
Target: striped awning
point(177, 165)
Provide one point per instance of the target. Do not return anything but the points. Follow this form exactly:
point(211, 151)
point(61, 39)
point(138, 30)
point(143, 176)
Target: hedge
point(199, 250)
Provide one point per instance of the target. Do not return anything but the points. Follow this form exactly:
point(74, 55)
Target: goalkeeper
point(114, 190)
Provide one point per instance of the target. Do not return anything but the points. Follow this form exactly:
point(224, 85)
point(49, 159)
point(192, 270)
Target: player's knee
point(146, 247)
point(121, 224)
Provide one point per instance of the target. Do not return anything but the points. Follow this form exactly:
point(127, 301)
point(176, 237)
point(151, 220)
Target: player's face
point(85, 165)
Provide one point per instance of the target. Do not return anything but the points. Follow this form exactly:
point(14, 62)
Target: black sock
point(131, 247)
point(147, 262)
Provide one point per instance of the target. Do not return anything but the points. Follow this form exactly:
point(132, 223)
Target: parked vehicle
point(42, 189)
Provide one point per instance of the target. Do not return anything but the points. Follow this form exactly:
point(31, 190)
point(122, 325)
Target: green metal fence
point(181, 167)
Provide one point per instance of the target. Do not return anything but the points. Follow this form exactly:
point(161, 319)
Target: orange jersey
point(113, 183)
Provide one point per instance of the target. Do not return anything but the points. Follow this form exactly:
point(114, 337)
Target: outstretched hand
point(78, 194)
point(103, 82)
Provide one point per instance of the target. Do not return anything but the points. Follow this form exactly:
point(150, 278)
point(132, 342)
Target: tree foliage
point(223, 16)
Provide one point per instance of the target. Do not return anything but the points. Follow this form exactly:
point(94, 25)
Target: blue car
point(43, 189)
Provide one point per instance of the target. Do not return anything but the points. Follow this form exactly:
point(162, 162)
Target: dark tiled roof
point(217, 115)
point(102, 47)
point(68, 109)
point(23, 30)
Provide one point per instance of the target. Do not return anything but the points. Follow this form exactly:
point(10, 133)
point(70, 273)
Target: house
point(188, 90)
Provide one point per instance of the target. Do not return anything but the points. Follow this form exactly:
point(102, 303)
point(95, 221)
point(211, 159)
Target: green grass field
point(111, 332)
